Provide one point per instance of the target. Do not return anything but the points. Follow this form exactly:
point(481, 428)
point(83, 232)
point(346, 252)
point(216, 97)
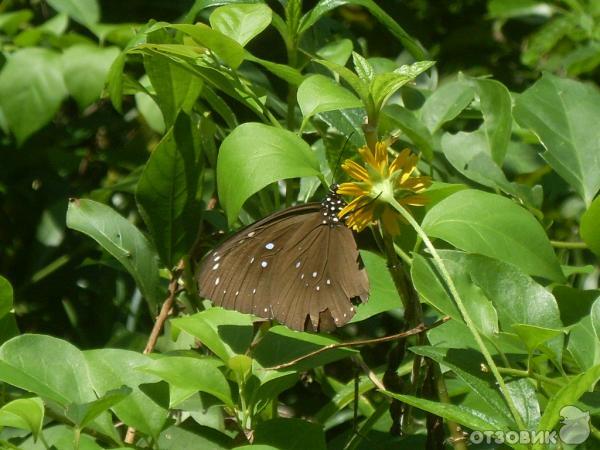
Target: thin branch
point(418, 329)
point(568, 244)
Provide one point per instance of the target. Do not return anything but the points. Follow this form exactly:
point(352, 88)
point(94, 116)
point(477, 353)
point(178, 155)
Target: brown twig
point(162, 317)
point(418, 329)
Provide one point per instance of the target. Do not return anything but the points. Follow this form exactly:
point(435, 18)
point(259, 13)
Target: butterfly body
point(299, 266)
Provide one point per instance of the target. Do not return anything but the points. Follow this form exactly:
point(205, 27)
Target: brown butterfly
point(299, 266)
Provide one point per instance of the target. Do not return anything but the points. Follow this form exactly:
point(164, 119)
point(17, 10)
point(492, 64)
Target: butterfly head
point(331, 205)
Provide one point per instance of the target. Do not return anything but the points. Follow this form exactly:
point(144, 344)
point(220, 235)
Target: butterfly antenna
point(337, 163)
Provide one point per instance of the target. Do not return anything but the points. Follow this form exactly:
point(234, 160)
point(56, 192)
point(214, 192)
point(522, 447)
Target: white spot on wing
point(216, 258)
point(251, 260)
point(264, 264)
point(298, 264)
point(328, 281)
point(270, 246)
point(318, 288)
point(217, 280)
point(216, 266)
point(253, 291)
point(252, 233)
point(314, 274)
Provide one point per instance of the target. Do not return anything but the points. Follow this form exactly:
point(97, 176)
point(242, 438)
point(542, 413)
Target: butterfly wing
point(292, 266)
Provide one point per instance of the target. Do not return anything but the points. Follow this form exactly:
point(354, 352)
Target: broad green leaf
point(471, 418)
point(123, 240)
point(85, 68)
point(319, 93)
point(189, 435)
point(466, 364)
point(111, 368)
point(36, 363)
point(524, 397)
point(534, 336)
point(337, 51)
point(595, 317)
point(290, 434)
point(86, 12)
point(11, 21)
point(166, 192)
point(226, 333)
point(271, 383)
point(24, 413)
point(281, 345)
point(115, 82)
point(496, 106)
point(255, 155)
point(31, 90)
point(324, 6)
point(241, 22)
point(60, 437)
point(412, 127)
point(574, 304)
point(563, 114)
point(81, 414)
point(6, 297)
point(386, 84)
point(566, 396)
point(517, 298)
point(8, 327)
point(382, 293)
point(590, 226)
point(494, 226)
point(583, 344)
point(224, 47)
point(150, 111)
point(446, 103)
point(176, 88)
point(188, 375)
point(433, 291)
point(359, 86)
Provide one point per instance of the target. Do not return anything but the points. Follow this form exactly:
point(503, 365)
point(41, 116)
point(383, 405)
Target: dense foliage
point(136, 135)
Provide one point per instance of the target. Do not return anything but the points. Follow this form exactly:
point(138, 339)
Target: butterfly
point(299, 266)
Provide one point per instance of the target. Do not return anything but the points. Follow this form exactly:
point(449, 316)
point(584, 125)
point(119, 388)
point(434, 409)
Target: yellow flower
point(376, 182)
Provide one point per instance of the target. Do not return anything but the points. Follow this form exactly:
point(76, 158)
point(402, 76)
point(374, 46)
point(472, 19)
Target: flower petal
point(356, 171)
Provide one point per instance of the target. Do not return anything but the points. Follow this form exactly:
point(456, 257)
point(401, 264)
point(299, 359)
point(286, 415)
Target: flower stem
point(465, 314)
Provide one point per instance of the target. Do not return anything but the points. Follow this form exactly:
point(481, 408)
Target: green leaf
point(466, 364)
point(24, 413)
point(150, 111)
point(6, 296)
point(524, 397)
point(324, 6)
point(363, 68)
point(226, 333)
point(433, 291)
point(81, 414)
point(446, 103)
point(241, 22)
point(494, 226)
point(595, 317)
point(31, 90)
point(176, 88)
point(166, 191)
point(382, 293)
point(282, 345)
point(534, 336)
point(85, 68)
point(188, 375)
point(36, 364)
point(123, 240)
point(190, 435)
point(115, 82)
point(283, 71)
point(337, 51)
point(506, 286)
point(563, 114)
point(496, 107)
point(86, 12)
point(290, 434)
point(224, 47)
point(412, 127)
point(583, 344)
point(464, 415)
point(590, 224)
point(385, 84)
point(255, 155)
point(319, 93)
point(359, 86)
point(111, 368)
point(10, 22)
point(566, 396)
